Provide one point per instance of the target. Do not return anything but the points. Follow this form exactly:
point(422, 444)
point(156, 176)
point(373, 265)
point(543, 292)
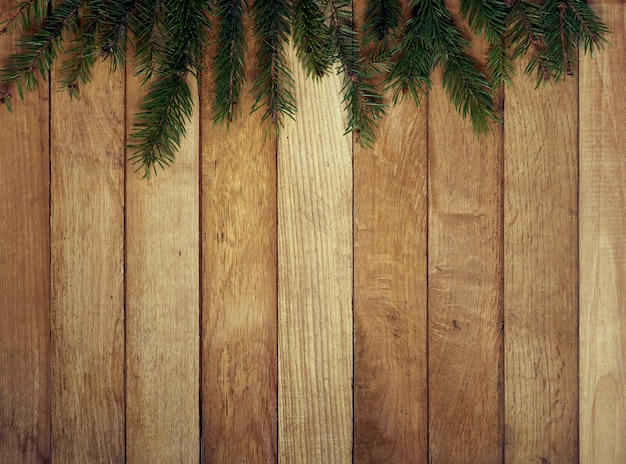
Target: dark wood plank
point(239, 288)
point(464, 287)
point(390, 209)
point(541, 270)
point(24, 274)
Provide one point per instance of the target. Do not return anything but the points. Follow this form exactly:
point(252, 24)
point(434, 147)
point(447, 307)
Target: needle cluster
point(401, 43)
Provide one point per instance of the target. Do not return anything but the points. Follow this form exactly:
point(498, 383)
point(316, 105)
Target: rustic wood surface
point(163, 305)
point(315, 278)
point(435, 299)
point(602, 247)
point(390, 347)
point(24, 275)
point(464, 288)
point(239, 286)
point(541, 272)
point(87, 237)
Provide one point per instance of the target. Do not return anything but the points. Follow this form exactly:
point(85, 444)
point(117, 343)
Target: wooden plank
point(390, 291)
point(541, 270)
point(315, 278)
point(24, 274)
point(464, 287)
point(87, 223)
point(239, 288)
point(390, 363)
point(162, 305)
point(603, 247)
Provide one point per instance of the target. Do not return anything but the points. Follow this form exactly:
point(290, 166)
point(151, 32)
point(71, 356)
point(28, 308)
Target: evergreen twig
point(364, 103)
point(170, 38)
point(230, 71)
point(273, 86)
point(311, 36)
point(168, 106)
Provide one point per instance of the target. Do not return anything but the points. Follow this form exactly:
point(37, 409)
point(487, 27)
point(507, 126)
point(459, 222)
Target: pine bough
point(395, 50)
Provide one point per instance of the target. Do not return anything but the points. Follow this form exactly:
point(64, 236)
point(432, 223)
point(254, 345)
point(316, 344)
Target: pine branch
point(487, 18)
point(38, 51)
point(115, 26)
point(76, 69)
point(230, 72)
point(147, 24)
point(168, 106)
point(414, 56)
point(311, 36)
point(24, 13)
point(382, 25)
point(273, 85)
point(524, 33)
point(363, 101)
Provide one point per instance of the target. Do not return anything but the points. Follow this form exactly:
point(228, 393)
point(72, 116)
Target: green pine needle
point(311, 36)
point(273, 85)
point(170, 40)
point(230, 71)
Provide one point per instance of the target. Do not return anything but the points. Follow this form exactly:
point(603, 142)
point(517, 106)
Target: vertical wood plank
point(541, 271)
point(603, 247)
point(87, 224)
point(162, 304)
point(390, 363)
point(24, 274)
point(464, 287)
point(239, 273)
point(315, 278)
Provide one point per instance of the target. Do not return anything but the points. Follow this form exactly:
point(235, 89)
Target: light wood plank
point(315, 278)
point(464, 287)
point(24, 274)
point(541, 271)
point(162, 305)
point(390, 363)
point(87, 223)
point(603, 247)
point(239, 288)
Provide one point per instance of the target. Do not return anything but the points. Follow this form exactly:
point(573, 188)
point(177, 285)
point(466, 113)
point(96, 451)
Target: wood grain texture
point(390, 363)
point(24, 275)
point(162, 305)
point(541, 271)
point(315, 278)
point(87, 224)
point(603, 247)
point(464, 288)
point(239, 273)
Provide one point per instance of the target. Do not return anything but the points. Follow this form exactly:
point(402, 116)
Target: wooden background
point(438, 298)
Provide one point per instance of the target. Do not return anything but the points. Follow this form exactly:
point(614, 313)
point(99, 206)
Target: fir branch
point(147, 24)
point(467, 87)
point(414, 56)
point(115, 24)
point(76, 69)
point(524, 33)
point(560, 40)
point(38, 51)
point(311, 36)
point(273, 85)
point(24, 13)
point(588, 26)
point(168, 106)
point(487, 18)
point(363, 101)
point(382, 25)
point(230, 72)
